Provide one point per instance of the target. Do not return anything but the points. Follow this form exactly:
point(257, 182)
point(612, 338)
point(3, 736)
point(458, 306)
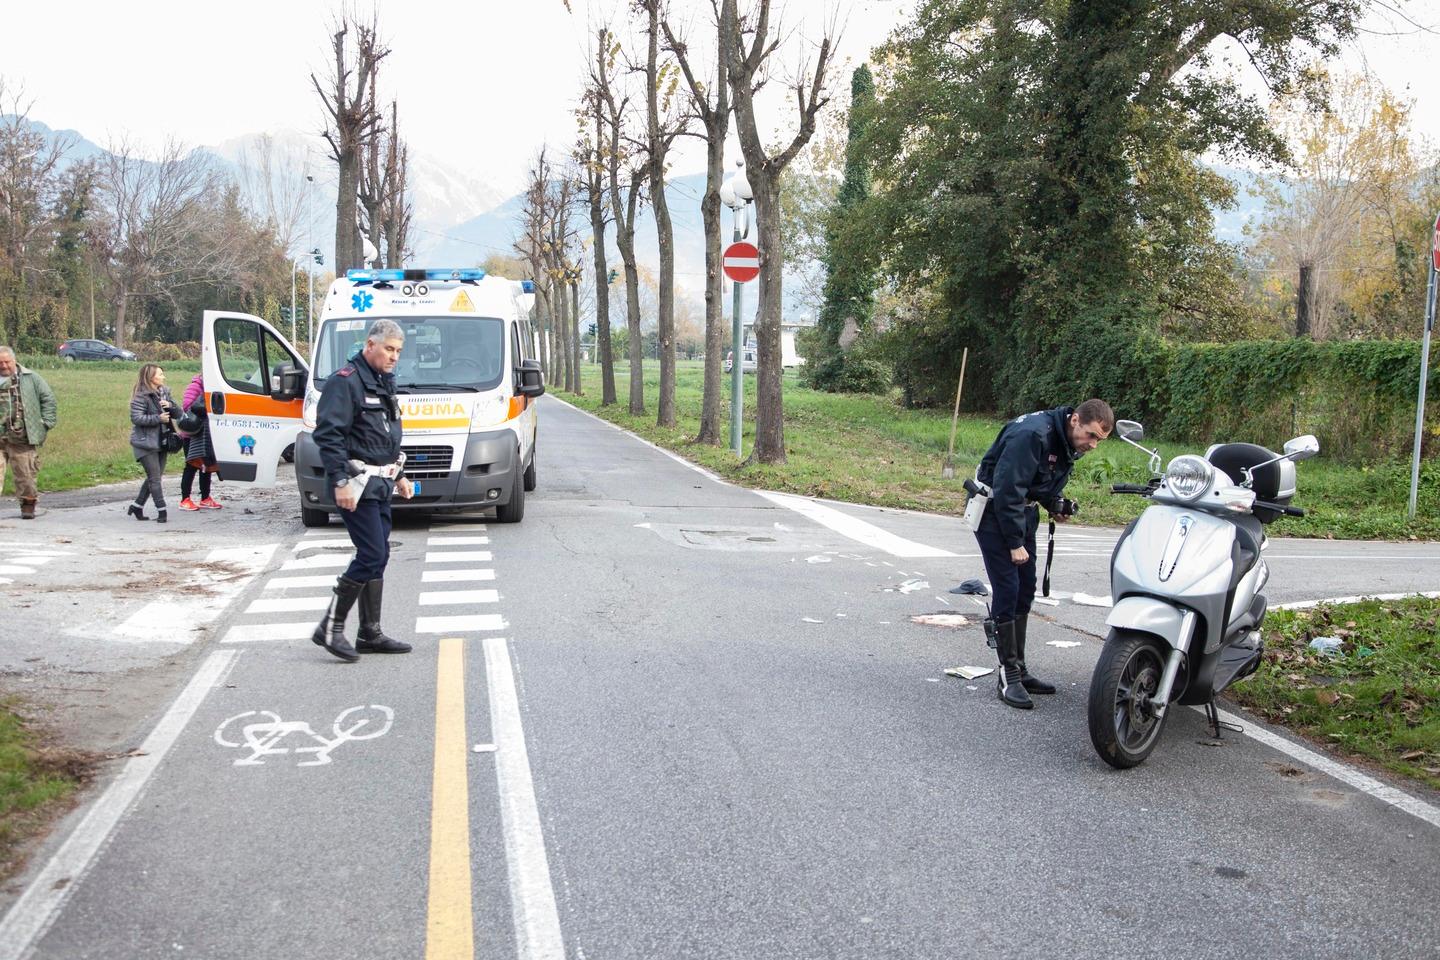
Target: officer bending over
point(1026, 468)
point(358, 431)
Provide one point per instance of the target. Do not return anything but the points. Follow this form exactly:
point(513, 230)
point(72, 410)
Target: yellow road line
point(450, 925)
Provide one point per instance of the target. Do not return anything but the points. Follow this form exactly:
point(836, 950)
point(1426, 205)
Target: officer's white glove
point(405, 488)
point(346, 497)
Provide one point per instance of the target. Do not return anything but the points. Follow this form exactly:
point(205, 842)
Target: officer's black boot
point(330, 634)
point(1031, 684)
point(1007, 682)
point(372, 639)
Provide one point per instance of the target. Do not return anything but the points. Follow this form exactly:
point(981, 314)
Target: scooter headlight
point(1188, 477)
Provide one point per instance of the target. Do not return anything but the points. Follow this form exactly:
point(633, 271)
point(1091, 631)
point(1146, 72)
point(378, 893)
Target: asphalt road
point(674, 718)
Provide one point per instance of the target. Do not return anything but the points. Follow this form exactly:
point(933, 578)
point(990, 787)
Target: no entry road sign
point(741, 262)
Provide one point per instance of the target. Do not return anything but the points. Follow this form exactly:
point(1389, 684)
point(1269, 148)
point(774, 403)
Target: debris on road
point(976, 587)
point(968, 673)
point(1085, 600)
point(1327, 646)
point(810, 620)
point(1062, 644)
point(941, 619)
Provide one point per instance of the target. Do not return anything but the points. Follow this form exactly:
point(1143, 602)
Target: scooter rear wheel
point(1123, 724)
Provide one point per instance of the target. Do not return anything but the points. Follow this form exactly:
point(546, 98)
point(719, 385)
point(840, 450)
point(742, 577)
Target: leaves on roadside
point(1326, 698)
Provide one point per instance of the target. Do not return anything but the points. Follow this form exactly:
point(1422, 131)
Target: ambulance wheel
point(514, 511)
point(314, 518)
point(529, 479)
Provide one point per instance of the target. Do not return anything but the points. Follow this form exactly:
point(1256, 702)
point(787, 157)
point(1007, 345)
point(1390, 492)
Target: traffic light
point(285, 313)
point(592, 330)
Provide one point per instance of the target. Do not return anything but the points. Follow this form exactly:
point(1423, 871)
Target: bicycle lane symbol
point(266, 735)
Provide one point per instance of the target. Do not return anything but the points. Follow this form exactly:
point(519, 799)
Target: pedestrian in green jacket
point(27, 413)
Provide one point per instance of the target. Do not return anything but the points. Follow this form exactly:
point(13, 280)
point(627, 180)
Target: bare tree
point(624, 206)
point(711, 105)
point(31, 184)
point(589, 155)
point(353, 124)
point(397, 210)
point(273, 188)
point(159, 234)
point(663, 124)
point(751, 48)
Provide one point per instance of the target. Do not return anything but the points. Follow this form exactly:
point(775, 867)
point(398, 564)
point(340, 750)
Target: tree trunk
point(346, 255)
point(575, 362)
point(714, 294)
point(120, 338)
point(769, 404)
point(665, 234)
point(625, 240)
point(1305, 301)
point(602, 300)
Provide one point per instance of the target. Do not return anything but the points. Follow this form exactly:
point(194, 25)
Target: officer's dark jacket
point(358, 418)
point(1029, 462)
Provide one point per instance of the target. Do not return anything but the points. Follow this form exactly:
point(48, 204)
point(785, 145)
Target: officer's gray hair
point(383, 330)
point(7, 351)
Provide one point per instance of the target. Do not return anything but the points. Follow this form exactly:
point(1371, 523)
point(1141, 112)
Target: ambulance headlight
point(489, 411)
point(307, 412)
point(1188, 477)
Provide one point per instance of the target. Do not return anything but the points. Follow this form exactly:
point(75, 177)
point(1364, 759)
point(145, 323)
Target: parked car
point(72, 350)
point(747, 364)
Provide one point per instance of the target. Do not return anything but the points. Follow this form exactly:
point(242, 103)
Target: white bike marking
point(263, 737)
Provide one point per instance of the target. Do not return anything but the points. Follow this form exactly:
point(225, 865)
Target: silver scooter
point(1186, 578)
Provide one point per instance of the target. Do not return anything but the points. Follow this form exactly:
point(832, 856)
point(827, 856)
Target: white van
point(466, 383)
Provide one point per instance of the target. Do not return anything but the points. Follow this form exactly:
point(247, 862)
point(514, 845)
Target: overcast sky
point(480, 84)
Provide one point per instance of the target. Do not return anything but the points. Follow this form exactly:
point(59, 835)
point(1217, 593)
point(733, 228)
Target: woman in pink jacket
point(199, 453)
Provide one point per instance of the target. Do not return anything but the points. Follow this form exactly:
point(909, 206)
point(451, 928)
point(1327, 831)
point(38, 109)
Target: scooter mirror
point(1129, 430)
point(1302, 448)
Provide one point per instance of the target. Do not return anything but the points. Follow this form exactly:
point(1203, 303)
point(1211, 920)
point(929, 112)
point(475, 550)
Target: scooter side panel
point(1201, 572)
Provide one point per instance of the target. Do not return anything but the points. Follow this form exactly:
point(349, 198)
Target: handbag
point(171, 442)
point(190, 422)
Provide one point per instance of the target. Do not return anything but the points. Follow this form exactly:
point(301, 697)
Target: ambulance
point(466, 381)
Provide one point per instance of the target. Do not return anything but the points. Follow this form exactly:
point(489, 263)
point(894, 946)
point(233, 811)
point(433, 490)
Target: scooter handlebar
point(1130, 488)
point(1280, 508)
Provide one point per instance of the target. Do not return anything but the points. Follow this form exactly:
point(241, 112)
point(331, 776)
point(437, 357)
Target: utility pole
point(735, 193)
point(1424, 368)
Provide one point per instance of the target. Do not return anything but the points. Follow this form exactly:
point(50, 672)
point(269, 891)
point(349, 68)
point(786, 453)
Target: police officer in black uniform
point(1027, 467)
point(358, 431)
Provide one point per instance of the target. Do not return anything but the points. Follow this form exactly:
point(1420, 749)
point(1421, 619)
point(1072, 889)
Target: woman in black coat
point(151, 408)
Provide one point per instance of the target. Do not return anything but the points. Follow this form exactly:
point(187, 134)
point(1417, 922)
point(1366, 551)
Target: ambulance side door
point(528, 420)
point(254, 393)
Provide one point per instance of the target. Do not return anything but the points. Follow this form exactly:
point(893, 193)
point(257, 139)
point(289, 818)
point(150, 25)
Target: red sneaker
point(209, 504)
point(188, 504)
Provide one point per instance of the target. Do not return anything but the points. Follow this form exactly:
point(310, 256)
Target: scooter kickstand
point(1212, 715)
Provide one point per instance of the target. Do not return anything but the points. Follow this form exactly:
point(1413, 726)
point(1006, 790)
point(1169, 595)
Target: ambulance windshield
point(441, 353)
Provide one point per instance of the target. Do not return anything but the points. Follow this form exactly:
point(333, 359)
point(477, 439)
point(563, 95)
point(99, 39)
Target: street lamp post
point(735, 193)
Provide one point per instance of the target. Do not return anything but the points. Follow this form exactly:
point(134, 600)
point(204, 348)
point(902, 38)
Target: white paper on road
point(941, 619)
point(854, 528)
point(969, 673)
point(1063, 644)
point(1085, 600)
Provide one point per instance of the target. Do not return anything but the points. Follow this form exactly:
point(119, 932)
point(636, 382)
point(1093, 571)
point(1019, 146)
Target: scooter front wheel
point(1124, 726)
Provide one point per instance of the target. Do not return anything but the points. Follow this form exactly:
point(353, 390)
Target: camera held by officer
point(1026, 468)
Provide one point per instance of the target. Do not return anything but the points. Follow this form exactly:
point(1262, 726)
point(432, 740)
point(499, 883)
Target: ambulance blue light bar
point(393, 275)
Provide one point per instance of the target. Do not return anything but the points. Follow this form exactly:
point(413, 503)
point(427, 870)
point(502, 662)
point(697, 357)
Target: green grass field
point(867, 449)
point(35, 780)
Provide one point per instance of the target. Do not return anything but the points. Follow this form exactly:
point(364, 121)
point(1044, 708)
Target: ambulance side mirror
point(287, 382)
point(530, 381)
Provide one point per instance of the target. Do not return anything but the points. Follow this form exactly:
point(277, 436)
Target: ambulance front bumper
point(483, 474)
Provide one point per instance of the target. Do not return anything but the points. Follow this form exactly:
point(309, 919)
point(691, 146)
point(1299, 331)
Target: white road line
point(476, 623)
point(288, 583)
point(318, 532)
point(458, 556)
point(1417, 558)
point(182, 617)
point(37, 907)
point(316, 562)
point(456, 576)
point(1385, 794)
point(442, 597)
point(459, 526)
point(32, 559)
point(532, 894)
point(319, 544)
point(856, 529)
point(288, 604)
point(1307, 604)
point(457, 541)
point(256, 632)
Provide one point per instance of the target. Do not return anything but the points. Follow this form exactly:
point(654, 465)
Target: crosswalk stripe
point(458, 526)
point(288, 604)
point(319, 560)
point(288, 583)
point(318, 544)
point(486, 622)
point(442, 597)
point(458, 556)
point(457, 541)
point(255, 632)
point(456, 576)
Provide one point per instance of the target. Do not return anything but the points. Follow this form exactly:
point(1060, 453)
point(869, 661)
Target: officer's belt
point(386, 471)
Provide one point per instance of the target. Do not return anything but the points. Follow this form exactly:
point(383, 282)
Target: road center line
point(532, 896)
point(37, 908)
point(450, 919)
